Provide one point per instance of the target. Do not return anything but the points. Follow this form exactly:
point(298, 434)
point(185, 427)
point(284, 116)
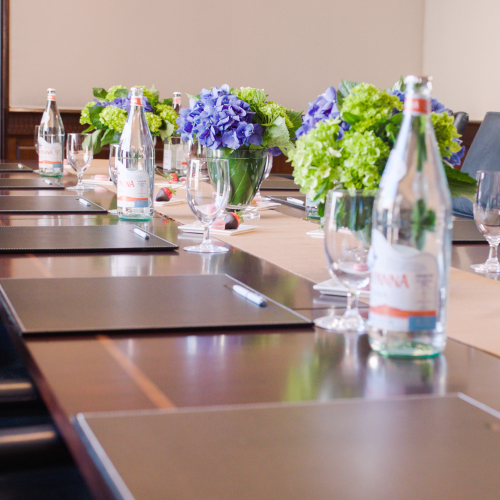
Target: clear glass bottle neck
point(418, 98)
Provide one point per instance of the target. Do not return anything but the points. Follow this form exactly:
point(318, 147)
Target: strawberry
point(232, 220)
point(174, 177)
point(164, 194)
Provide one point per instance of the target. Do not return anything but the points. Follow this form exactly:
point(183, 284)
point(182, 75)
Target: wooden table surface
point(108, 373)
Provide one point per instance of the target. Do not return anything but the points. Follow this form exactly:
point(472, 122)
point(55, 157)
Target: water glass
point(113, 167)
point(37, 127)
point(348, 227)
point(207, 190)
point(487, 217)
point(79, 152)
point(252, 213)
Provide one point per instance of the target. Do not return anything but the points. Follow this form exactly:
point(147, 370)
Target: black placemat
point(6, 183)
point(283, 199)
point(145, 303)
point(112, 238)
point(14, 167)
point(279, 182)
point(48, 205)
point(431, 448)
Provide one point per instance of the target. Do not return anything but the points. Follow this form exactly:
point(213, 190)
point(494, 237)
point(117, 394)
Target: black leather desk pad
point(144, 303)
point(14, 167)
point(47, 205)
point(410, 448)
point(53, 239)
point(465, 231)
point(279, 182)
point(6, 183)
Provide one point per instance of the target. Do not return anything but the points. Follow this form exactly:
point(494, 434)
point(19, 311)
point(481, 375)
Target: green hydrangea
point(316, 159)
point(85, 117)
point(113, 117)
point(154, 122)
point(254, 97)
point(445, 133)
point(110, 96)
point(366, 105)
point(167, 113)
point(271, 110)
point(364, 157)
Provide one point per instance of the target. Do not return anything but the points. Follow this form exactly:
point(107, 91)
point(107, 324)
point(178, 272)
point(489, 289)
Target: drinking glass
point(348, 227)
point(253, 214)
point(79, 151)
point(207, 190)
point(487, 217)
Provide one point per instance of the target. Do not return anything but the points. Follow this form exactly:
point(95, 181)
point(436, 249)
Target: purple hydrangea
point(124, 103)
point(456, 158)
point(323, 108)
point(219, 120)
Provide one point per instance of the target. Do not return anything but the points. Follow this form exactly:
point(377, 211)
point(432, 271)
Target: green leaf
point(100, 93)
point(399, 85)
point(168, 102)
point(88, 129)
point(96, 140)
point(166, 131)
point(351, 118)
point(107, 138)
point(296, 119)
point(345, 88)
point(277, 134)
point(460, 183)
point(116, 138)
point(94, 112)
point(196, 97)
point(121, 93)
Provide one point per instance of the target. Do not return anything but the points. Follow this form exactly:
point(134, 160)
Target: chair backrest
point(461, 121)
point(484, 154)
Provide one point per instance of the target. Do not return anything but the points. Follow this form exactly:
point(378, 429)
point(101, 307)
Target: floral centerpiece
point(107, 114)
point(242, 126)
point(346, 137)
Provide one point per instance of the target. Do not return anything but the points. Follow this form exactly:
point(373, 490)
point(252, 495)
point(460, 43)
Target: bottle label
point(132, 188)
point(177, 100)
point(180, 159)
point(136, 101)
point(403, 287)
point(417, 106)
point(51, 97)
point(167, 159)
point(50, 157)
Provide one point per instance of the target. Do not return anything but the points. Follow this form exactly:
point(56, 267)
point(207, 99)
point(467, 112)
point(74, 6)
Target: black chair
point(484, 154)
point(461, 121)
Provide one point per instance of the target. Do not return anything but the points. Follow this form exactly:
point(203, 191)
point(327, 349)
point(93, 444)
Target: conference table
point(82, 374)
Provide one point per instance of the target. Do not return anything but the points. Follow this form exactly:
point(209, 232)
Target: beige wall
point(294, 50)
point(462, 52)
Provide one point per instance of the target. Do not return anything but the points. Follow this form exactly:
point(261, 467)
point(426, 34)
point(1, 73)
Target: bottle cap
point(51, 94)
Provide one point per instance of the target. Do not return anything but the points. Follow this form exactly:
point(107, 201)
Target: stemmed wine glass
point(487, 217)
point(37, 128)
point(207, 190)
point(347, 244)
point(113, 167)
point(79, 151)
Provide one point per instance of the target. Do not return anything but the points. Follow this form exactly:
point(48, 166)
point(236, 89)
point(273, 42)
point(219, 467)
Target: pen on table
point(294, 200)
point(141, 233)
point(47, 182)
point(20, 165)
point(247, 294)
point(84, 202)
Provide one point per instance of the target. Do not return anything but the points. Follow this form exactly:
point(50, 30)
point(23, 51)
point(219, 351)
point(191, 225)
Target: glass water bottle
point(51, 139)
point(135, 164)
point(411, 238)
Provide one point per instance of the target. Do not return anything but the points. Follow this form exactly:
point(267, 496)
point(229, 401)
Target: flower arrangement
point(237, 120)
point(107, 114)
point(346, 137)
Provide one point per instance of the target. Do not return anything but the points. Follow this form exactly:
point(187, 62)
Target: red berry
point(164, 194)
point(174, 177)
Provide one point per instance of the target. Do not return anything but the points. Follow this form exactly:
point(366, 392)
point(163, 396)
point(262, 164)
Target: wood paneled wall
point(21, 140)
